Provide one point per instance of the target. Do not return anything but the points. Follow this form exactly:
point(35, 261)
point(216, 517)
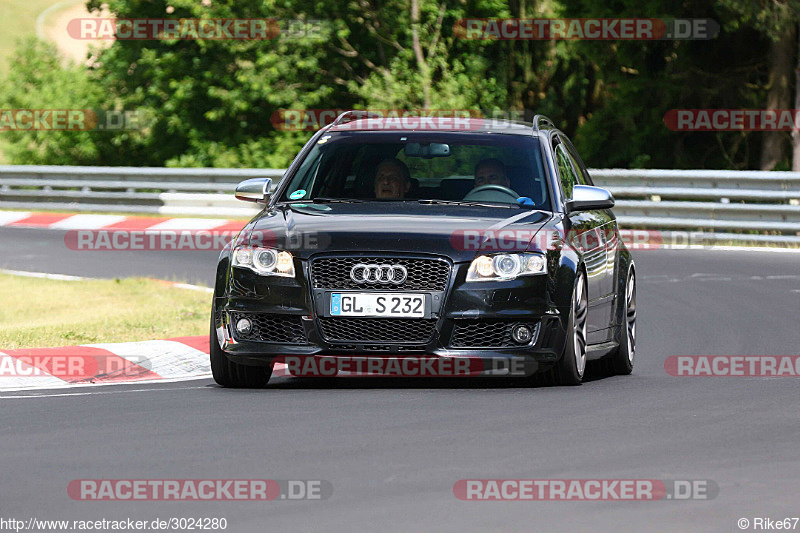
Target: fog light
point(522, 334)
point(244, 326)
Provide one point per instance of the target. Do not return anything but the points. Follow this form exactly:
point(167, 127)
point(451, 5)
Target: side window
point(577, 162)
point(566, 171)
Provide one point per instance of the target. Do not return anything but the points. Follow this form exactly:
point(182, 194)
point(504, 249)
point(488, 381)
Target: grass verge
point(40, 313)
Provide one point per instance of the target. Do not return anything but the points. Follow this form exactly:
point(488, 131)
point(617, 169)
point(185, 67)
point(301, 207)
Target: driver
point(392, 180)
point(491, 172)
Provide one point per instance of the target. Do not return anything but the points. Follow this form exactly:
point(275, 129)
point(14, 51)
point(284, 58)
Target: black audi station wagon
point(482, 239)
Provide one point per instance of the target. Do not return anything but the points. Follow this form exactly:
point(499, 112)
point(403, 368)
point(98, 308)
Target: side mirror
point(587, 198)
point(254, 190)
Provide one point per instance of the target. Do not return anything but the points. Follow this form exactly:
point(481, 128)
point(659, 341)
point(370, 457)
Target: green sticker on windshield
point(296, 195)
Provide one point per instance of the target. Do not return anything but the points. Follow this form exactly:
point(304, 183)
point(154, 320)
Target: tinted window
point(577, 163)
point(566, 171)
point(364, 165)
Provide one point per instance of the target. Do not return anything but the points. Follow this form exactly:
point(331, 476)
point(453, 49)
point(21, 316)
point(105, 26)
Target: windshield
point(422, 167)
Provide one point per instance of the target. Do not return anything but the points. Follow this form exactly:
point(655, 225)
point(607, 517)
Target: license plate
point(378, 304)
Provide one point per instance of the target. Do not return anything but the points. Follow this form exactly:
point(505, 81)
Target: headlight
point(264, 261)
point(506, 266)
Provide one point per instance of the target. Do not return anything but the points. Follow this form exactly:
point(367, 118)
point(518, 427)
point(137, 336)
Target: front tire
point(571, 367)
point(233, 375)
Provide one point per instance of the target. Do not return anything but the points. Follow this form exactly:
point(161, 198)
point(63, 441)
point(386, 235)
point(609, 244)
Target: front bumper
point(526, 300)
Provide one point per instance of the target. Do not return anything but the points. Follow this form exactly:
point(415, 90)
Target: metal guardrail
point(707, 200)
point(170, 191)
point(697, 200)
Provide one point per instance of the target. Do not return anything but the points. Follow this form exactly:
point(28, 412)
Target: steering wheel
point(491, 193)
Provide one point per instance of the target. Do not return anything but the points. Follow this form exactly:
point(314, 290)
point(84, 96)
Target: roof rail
point(354, 114)
point(541, 121)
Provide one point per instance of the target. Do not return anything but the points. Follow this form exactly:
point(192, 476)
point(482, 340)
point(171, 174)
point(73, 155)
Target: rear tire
point(234, 375)
point(621, 361)
point(571, 368)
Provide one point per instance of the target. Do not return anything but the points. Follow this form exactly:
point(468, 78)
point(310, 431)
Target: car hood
point(458, 232)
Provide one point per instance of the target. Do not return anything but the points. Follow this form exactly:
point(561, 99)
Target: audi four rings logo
point(362, 273)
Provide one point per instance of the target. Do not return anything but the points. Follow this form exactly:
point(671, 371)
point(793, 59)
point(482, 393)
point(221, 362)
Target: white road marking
point(9, 217)
point(44, 275)
point(41, 19)
point(95, 393)
point(660, 278)
point(71, 386)
point(713, 248)
point(87, 222)
point(198, 288)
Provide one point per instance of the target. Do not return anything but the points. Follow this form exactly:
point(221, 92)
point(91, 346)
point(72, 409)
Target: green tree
point(637, 82)
point(39, 81)
point(776, 20)
point(212, 101)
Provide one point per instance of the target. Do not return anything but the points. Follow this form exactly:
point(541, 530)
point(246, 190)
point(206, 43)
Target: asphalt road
point(39, 250)
point(393, 449)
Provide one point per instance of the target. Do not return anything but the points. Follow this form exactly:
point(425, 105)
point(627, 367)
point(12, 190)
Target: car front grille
point(284, 329)
point(423, 274)
point(487, 333)
point(378, 330)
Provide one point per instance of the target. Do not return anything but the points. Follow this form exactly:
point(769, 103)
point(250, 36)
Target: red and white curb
point(63, 221)
point(178, 359)
point(91, 365)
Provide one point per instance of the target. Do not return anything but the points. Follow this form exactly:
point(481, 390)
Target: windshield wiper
point(324, 200)
point(330, 200)
point(432, 201)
